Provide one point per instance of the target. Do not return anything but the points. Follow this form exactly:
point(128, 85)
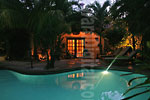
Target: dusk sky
point(91, 1)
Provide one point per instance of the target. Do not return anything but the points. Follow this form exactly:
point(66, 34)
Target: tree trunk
point(35, 49)
point(100, 45)
point(52, 62)
point(48, 61)
point(145, 51)
point(142, 46)
point(8, 50)
point(133, 42)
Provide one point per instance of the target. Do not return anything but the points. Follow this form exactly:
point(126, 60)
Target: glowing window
point(76, 47)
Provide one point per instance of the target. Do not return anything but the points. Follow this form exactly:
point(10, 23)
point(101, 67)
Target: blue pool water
point(76, 85)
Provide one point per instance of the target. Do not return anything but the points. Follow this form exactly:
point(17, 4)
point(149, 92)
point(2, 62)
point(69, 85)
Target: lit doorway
point(76, 46)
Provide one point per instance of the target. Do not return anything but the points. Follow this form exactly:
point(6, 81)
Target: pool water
point(76, 85)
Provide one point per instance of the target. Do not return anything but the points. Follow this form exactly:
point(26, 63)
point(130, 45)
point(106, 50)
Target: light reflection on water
point(111, 95)
point(105, 87)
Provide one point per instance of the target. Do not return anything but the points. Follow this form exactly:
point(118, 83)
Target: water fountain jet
point(112, 63)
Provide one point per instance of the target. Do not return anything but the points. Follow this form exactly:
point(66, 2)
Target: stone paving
point(59, 65)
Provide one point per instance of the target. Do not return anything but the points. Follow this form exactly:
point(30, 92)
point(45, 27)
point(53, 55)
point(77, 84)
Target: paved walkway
point(66, 65)
point(59, 65)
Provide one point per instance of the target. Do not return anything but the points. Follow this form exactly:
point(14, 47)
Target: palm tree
point(48, 21)
point(49, 26)
point(13, 18)
point(12, 14)
point(100, 12)
point(45, 19)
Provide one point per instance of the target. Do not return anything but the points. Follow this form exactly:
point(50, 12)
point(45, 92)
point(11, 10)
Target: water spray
point(106, 71)
point(111, 63)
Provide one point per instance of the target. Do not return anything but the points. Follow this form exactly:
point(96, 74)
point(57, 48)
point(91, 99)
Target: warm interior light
point(76, 45)
point(43, 57)
point(76, 75)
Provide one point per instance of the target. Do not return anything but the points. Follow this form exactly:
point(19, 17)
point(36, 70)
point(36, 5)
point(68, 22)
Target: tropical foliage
point(100, 13)
point(42, 20)
point(13, 20)
point(117, 29)
point(137, 16)
point(144, 85)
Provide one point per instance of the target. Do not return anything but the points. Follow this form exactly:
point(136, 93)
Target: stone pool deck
point(39, 67)
point(60, 66)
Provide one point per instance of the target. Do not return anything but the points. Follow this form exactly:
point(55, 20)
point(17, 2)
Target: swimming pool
point(75, 85)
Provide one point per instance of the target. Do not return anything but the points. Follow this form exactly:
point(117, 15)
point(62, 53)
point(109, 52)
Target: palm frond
point(105, 5)
point(136, 95)
point(139, 85)
point(13, 13)
point(127, 74)
point(129, 83)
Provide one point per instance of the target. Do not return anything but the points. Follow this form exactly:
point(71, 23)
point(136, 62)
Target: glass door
point(71, 46)
point(79, 47)
point(76, 46)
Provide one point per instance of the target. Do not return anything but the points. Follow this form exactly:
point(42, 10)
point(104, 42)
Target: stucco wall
point(91, 42)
